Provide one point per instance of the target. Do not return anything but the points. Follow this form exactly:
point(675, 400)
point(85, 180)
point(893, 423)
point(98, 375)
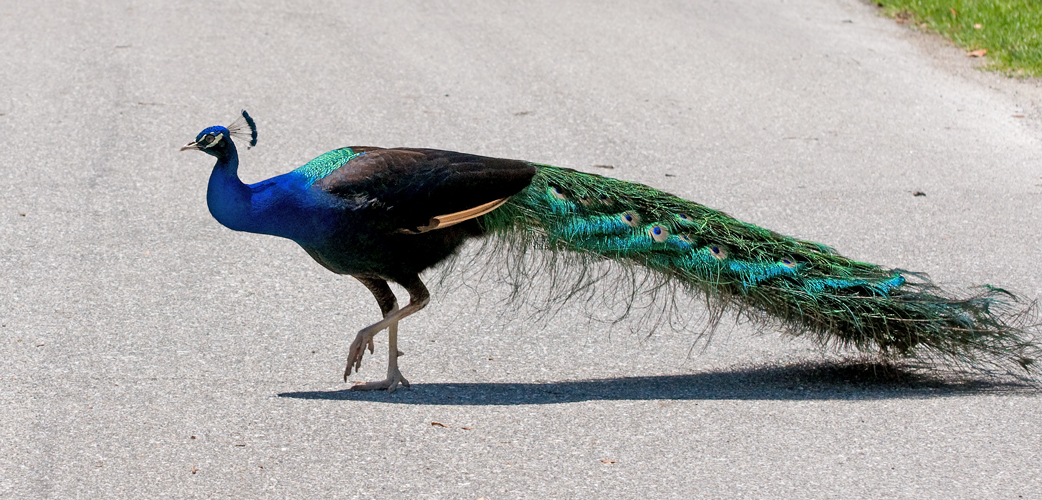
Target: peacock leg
point(418, 298)
point(388, 304)
point(394, 376)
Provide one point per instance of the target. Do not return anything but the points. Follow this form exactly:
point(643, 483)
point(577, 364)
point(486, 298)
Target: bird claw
point(357, 351)
point(365, 339)
point(390, 383)
point(354, 359)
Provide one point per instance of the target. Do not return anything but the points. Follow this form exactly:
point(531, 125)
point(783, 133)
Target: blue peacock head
point(216, 140)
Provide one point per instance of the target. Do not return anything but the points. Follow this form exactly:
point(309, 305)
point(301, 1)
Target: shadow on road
point(797, 382)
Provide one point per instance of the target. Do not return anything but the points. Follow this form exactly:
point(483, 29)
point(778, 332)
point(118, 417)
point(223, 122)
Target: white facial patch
point(217, 138)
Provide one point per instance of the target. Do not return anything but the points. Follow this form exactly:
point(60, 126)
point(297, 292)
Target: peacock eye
point(659, 233)
point(207, 139)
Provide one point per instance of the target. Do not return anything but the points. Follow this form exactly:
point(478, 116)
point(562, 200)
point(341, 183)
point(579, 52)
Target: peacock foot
point(390, 383)
point(354, 354)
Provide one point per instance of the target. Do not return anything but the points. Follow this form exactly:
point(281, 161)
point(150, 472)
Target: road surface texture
point(148, 352)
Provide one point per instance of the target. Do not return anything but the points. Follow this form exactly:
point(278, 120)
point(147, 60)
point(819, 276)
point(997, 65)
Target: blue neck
point(229, 200)
point(284, 205)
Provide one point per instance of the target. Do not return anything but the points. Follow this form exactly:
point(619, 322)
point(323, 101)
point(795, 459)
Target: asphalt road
point(147, 352)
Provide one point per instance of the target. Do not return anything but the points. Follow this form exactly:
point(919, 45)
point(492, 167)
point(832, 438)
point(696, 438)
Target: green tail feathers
point(807, 286)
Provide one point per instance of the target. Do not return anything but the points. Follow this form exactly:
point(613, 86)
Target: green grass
point(1010, 30)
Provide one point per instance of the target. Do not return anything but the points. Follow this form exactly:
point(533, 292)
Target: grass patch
point(1010, 30)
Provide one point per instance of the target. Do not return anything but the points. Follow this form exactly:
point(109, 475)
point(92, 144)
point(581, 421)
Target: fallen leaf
point(438, 424)
point(977, 26)
point(1018, 115)
point(604, 166)
point(977, 53)
point(607, 461)
point(955, 13)
point(465, 428)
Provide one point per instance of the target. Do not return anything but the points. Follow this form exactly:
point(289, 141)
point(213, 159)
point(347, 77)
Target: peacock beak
point(190, 145)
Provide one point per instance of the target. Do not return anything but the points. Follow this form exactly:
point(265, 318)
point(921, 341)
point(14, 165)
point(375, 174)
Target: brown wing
point(425, 189)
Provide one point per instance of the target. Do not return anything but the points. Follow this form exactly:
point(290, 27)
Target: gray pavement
point(147, 352)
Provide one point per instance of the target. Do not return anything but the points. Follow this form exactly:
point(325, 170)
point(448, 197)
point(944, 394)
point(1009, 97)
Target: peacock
point(386, 215)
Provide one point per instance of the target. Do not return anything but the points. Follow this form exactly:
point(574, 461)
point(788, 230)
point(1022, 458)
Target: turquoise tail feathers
point(806, 286)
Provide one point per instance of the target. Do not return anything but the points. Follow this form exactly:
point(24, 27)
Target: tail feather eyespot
point(787, 262)
point(658, 233)
point(630, 219)
point(718, 252)
point(557, 193)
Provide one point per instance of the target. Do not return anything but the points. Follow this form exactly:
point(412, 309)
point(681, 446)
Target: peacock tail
point(808, 287)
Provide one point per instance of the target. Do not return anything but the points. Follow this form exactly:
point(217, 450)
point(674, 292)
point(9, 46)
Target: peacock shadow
point(794, 382)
